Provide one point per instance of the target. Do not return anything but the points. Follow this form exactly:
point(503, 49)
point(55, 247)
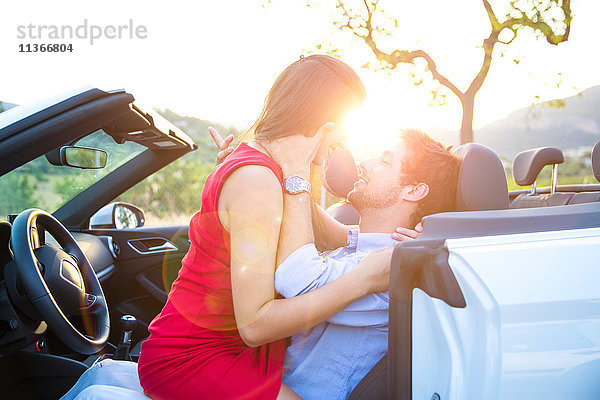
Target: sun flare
point(367, 135)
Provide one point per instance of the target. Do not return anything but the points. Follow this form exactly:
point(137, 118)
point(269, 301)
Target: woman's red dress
point(194, 350)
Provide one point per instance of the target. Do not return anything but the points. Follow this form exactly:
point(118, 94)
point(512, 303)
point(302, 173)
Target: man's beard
point(361, 200)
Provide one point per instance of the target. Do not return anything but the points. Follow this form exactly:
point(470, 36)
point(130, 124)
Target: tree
point(17, 193)
point(537, 15)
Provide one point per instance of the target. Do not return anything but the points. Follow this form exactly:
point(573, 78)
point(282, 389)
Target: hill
point(568, 124)
point(197, 129)
point(6, 106)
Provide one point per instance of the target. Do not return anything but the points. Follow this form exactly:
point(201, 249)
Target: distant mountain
point(568, 124)
point(6, 106)
point(197, 129)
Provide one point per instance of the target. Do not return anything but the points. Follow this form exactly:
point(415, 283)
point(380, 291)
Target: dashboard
point(98, 249)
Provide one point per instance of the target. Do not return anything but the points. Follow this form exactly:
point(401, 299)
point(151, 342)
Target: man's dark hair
point(430, 162)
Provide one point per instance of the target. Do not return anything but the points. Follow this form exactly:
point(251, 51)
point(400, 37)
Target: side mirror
point(117, 216)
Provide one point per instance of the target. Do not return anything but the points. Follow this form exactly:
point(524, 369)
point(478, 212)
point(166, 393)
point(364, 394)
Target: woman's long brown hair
point(307, 94)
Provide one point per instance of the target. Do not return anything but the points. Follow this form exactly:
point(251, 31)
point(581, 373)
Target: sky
point(216, 60)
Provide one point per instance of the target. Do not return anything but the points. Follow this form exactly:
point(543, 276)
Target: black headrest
point(340, 173)
point(344, 213)
point(528, 164)
point(481, 179)
point(596, 160)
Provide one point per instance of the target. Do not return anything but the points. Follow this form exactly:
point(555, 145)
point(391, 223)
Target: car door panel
point(146, 264)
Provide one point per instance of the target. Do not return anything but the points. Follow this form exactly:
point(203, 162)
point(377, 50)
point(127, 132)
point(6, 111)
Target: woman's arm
point(252, 198)
point(333, 234)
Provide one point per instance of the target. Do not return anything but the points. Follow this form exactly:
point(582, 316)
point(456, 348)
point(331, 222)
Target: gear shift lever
point(127, 325)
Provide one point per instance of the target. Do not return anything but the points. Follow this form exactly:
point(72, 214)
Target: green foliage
point(21, 194)
point(197, 129)
point(174, 190)
point(173, 194)
point(68, 186)
point(22, 188)
point(40, 184)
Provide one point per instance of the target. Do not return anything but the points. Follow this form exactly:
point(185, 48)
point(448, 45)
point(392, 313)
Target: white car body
point(531, 327)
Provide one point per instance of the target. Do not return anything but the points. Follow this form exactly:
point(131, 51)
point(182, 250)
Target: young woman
point(221, 333)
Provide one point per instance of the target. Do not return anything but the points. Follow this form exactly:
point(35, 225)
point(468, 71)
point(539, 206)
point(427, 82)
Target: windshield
point(42, 185)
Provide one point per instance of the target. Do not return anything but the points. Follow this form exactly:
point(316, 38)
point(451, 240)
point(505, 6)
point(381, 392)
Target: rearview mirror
point(82, 157)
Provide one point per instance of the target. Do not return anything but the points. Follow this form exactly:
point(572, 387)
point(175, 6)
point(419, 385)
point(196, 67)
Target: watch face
point(295, 184)
point(291, 184)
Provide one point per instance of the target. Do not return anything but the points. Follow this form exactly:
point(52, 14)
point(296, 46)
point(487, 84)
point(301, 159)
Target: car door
point(146, 260)
point(498, 305)
point(137, 266)
point(138, 144)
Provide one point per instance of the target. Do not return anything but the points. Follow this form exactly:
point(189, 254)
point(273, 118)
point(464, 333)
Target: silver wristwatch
point(295, 184)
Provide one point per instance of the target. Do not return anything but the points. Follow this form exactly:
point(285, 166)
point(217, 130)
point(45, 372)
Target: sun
point(367, 133)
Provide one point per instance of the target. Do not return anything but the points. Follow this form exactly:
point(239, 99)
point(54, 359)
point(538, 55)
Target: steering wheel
point(60, 283)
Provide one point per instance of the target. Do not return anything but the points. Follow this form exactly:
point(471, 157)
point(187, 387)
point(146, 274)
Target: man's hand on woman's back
point(224, 145)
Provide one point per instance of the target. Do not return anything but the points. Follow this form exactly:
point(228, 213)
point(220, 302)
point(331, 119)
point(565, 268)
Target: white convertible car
point(500, 300)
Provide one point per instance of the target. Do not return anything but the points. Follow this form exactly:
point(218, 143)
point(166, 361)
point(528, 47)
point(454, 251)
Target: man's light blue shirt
point(329, 360)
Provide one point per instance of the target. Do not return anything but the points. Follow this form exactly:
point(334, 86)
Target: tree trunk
point(466, 128)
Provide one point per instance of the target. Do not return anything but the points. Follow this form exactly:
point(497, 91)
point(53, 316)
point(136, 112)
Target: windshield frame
point(69, 120)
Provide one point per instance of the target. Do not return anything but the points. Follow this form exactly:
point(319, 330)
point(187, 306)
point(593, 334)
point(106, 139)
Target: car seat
point(339, 175)
point(481, 186)
point(526, 167)
point(589, 197)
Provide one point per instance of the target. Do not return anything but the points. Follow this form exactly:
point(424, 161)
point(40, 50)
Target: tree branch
point(488, 49)
point(540, 25)
point(398, 56)
point(361, 25)
point(405, 56)
point(490, 12)
point(513, 24)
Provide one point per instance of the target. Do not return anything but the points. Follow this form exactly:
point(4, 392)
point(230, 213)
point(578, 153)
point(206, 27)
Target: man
point(417, 177)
